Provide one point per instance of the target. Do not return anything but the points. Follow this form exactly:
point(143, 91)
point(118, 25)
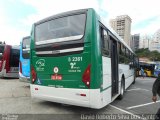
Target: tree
point(152, 55)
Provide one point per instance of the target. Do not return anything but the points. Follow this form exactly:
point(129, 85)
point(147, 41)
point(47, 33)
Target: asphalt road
point(16, 104)
point(137, 98)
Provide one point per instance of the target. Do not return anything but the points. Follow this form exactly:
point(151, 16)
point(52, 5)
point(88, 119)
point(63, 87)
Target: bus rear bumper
point(3, 73)
point(8, 74)
point(23, 78)
point(79, 97)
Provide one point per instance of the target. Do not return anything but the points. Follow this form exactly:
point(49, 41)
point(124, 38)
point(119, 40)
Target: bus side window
point(119, 48)
point(131, 61)
point(101, 38)
point(104, 42)
point(121, 59)
point(122, 54)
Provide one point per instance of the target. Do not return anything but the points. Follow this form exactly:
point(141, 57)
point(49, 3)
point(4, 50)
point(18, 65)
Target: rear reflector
point(34, 75)
point(20, 67)
point(82, 94)
point(1, 65)
point(86, 76)
point(36, 88)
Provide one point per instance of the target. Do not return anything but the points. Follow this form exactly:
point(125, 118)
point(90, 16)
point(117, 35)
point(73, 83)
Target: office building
point(134, 44)
point(155, 44)
point(122, 25)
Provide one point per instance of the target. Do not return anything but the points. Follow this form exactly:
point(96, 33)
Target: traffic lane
point(145, 83)
point(38, 109)
point(137, 98)
point(16, 99)
point(27, 105)
point(13, 88)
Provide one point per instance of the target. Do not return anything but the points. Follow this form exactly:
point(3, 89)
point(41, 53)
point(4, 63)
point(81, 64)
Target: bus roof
point(62, 15)
point(16, 47)
point(26, 37)
point(82, 11)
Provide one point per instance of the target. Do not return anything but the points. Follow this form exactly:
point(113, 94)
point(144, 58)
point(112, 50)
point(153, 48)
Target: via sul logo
point(40, 63)
point(72, 65)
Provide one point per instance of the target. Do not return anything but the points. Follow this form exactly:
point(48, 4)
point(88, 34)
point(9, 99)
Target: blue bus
point(24, 69)
point(156, 69)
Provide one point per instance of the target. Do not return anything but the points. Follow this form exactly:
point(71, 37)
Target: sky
point(17, 16)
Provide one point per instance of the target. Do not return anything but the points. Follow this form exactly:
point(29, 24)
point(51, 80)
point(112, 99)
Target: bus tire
point(122, 89)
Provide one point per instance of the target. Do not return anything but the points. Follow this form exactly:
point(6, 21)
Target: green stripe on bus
point(106, 88)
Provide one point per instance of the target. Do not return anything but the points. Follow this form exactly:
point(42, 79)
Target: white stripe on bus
point(60, 51)
point(59, 40)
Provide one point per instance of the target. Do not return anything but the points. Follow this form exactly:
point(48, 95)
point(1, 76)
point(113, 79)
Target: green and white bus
point(76, 59)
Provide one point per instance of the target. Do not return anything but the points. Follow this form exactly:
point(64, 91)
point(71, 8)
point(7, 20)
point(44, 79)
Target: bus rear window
point(60, 29)
point(26, 47)
point(1, 49)
point(14, 58)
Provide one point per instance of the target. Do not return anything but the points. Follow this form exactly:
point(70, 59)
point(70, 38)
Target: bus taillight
point(86, 76)
point(34, 76)
point(1, 65)
point(20, 67)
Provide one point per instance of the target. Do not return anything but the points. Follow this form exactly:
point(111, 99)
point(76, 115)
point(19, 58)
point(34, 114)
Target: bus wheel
point(122, 89)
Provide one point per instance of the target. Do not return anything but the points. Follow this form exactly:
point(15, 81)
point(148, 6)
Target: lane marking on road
point(145, 79)
point(141, 105)
point(138, 89)
point(135, 116)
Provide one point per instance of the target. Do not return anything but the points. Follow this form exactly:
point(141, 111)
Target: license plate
point(14, 69)
point(56, 77)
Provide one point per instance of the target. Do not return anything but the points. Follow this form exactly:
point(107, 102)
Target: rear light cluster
point(34, 75)
point(86, 76)
point(1, 65)
point(84, 95)
point(20, 67)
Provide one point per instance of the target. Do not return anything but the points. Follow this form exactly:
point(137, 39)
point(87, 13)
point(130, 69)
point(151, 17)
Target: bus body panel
point(106, 72)
point(24, 73)
point(96, 56)
point(6, 58)
point(70, 71)
point(78, 97)
point(107, 85)
point(128, 74)
point(71, 78)
point(26, 67)
point(9, 62)
point(71, 67)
